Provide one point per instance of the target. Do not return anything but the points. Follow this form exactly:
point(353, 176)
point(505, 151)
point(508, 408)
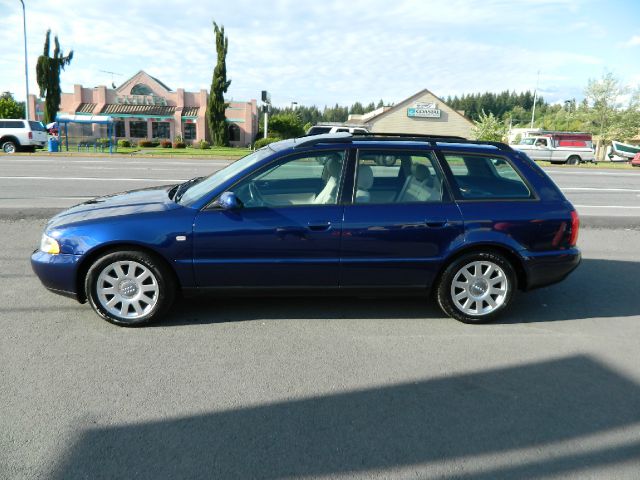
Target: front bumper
point(57, 273)
point(547, 268)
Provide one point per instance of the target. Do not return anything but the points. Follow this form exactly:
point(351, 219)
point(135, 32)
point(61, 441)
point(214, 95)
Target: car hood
point(154, 199)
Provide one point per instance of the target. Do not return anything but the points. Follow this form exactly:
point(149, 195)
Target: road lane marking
point(625, 173)
point(627, 207)
point(63, 161)
point(97, 179)
point(597, 189)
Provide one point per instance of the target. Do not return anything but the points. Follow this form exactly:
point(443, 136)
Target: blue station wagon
point(468, 222)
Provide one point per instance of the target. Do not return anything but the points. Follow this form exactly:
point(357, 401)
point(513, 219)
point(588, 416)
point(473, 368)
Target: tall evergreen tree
point(219, 85)
point(48, 76)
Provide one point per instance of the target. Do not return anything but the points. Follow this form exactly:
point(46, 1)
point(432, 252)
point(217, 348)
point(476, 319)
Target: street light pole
point(26, 67)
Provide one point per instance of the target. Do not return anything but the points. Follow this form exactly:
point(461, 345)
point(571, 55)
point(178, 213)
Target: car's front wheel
point(476, 287)
point(129, 288)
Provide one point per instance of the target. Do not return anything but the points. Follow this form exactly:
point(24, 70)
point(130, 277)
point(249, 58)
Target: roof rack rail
point(398, 137)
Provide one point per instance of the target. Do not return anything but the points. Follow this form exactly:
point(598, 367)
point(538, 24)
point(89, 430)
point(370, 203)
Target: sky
point(327, 52)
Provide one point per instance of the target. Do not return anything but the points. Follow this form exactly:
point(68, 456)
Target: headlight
point(49, 245)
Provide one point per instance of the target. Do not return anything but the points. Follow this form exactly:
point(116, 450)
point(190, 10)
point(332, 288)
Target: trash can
point(53, 144)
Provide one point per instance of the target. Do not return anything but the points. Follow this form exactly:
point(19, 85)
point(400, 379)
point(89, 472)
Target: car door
point(542, 150)
point(400, 223)
point(287, 232)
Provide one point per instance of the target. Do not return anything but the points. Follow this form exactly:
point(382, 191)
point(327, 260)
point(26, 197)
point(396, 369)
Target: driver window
point(313, 179)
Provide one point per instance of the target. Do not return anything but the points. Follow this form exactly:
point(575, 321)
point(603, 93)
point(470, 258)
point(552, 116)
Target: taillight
point(30, 135)
point(575, 226)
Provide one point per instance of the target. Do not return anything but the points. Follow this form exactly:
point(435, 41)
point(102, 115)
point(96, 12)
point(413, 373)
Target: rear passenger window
point(397, 177)
point(479, 178)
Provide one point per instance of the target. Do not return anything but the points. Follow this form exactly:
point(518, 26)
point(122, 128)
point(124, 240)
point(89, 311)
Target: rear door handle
point(319, 226)
point(436, 224)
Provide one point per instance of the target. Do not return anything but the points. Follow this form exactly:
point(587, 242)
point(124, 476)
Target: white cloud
point(632, 42)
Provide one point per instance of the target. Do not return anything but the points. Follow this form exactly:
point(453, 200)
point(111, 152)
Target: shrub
point(165, 143)
point(124, 143)
point(178, 139)
point(179, 145)
point(204, 145)
point(148, 143)
point(104, 142)
point(265, 141)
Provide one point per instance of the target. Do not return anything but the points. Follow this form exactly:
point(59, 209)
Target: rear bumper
point(58, 273)
point(547, 268)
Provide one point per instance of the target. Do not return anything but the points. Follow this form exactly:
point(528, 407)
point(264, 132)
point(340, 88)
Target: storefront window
point(160, 129)
point(138, 129)
point(119, 128)
point(189, 131)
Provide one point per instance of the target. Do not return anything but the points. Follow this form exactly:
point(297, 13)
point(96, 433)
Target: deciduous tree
point(9, 108)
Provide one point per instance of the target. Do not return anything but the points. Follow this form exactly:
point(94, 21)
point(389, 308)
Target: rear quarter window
point(37, 127)
point(481, 177)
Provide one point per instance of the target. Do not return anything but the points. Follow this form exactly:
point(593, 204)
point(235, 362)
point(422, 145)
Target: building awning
point(190, 111)
point(100, 119)
point(118, 108)
point(86, 108)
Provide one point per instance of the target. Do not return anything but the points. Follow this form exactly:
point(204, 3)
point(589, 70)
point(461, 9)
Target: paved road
point(57, 182)
point(316, 388)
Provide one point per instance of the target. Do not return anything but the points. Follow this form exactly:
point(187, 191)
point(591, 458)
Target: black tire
point(573, 160)
point(9, 146)
point(130, 291)
point(445, 289)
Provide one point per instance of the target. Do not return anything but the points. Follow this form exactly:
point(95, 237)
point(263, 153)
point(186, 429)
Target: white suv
point(21, 134)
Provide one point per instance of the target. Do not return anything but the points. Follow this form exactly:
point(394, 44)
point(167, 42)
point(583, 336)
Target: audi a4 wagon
point(466, 223)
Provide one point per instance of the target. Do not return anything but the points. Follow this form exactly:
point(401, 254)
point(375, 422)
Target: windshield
point(202, 188)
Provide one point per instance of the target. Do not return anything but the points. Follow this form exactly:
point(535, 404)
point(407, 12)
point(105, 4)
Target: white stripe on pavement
point(596, 189)
point(627, 207)
point(155, 180)
point(624, 173)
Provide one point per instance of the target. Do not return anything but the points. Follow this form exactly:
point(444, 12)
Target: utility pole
point(26, 67)
point(535, 99)
point(266, 98)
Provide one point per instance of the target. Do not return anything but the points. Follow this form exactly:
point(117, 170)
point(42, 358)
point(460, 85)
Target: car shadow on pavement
point(598, 288)
point(491, 414)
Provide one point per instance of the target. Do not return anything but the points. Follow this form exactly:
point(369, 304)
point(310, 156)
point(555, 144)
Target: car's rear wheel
point(9, 146)
point(476, 287)
point(573, 160)
point(129, 288)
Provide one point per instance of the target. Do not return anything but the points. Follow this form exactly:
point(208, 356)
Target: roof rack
point(397, 137)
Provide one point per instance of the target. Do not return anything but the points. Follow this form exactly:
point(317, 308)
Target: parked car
point(559, 147)
point(323, 129)
point(636, 160)
point(470, 221)
point(18, 134)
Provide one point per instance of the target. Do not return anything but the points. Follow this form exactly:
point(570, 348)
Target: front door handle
point(319, 226)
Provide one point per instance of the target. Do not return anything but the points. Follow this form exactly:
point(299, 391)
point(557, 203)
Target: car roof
point(389, 140)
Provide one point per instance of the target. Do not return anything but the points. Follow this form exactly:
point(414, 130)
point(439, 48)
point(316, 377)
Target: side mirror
point(229, 201)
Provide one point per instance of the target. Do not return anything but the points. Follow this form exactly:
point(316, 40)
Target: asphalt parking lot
point(320, 388)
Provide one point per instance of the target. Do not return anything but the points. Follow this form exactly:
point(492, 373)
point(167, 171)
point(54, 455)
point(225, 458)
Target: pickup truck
point(548, 149)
